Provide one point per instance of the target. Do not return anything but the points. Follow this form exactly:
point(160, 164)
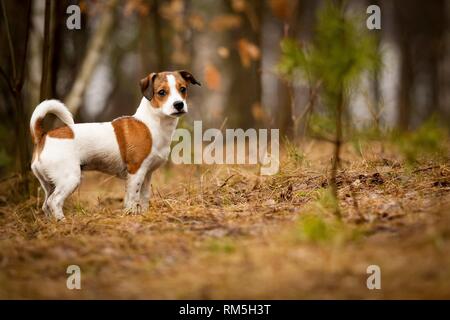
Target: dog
point(129, 147)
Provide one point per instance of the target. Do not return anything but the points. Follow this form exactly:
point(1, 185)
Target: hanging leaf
point(179, 56)
point(282, 9)
point(248, 52)
point(136, 6)
point(225, 22)
point(223, 52)
point(239, 5)
point(197, 22)
point(212, 77)
point(258, 112)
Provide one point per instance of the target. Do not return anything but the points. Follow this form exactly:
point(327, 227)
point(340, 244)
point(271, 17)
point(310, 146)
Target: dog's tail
point(55, 107)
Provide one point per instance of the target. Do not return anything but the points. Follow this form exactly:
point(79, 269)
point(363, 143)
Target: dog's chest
point(162, 137)
point(160, 152)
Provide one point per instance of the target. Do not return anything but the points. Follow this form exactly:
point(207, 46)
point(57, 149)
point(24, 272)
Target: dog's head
point(167, 91)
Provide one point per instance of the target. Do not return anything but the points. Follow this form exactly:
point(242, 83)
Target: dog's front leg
point(145, 192)
point(133, 192)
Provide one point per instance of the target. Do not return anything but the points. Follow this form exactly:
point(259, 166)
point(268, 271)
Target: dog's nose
point(178, 105)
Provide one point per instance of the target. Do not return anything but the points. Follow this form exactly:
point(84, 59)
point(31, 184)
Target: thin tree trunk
point(59, 26)
point(94, 50)
point(376, 83)
point(239, 107)
point(159, 44)
point(406, 82)
point(48, 49)
point(16, 84)
point(337, 150)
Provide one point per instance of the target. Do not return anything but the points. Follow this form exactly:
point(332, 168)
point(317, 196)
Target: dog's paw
point(134, 208)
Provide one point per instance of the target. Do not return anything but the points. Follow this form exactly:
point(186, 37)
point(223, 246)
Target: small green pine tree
point(340, 51)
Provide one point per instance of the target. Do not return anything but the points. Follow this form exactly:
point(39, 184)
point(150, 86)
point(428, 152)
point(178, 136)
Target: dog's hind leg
point(47, 186)
point(64, 186)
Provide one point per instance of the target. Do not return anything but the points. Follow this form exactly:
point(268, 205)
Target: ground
point(217, 232)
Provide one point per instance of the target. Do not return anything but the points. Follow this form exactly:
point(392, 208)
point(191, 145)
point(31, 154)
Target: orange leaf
point(212, 77)
point(239, 5)
point(223, 52)
point(197, 22)
point(281, 8)
point(258, 112)
point(248, 52)
point(138, 6)
point(225, 22)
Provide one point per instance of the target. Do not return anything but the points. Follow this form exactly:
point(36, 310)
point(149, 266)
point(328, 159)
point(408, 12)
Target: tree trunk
point(92, 57)
point(15, 83)
point(406, 82)
point(48, 49)
point(337, 150)
point(245, 79)
point(159, 44)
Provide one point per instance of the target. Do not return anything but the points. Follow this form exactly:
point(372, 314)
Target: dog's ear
point(147, 85)
point(188, 77)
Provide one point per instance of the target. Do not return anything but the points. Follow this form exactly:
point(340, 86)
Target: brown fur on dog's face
point(167, 91)
point(156, 89)
point(161, 89)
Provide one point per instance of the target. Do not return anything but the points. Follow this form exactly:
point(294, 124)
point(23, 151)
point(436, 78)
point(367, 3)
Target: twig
point(427, 168)
point(225, 182)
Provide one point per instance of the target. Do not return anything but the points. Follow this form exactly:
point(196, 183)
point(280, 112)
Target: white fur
point(51, 106)
point(95, 147)
point(174, 96)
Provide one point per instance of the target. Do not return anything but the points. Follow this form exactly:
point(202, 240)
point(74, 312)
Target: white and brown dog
point(129, 147)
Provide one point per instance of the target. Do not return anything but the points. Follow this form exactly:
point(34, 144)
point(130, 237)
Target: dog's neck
point(161, 126)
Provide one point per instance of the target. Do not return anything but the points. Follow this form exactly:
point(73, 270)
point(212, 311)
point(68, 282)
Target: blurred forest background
point(364, 173)
point(250, 55)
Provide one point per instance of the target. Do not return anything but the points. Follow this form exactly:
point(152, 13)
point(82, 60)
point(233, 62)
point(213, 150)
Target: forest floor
point(222, 232)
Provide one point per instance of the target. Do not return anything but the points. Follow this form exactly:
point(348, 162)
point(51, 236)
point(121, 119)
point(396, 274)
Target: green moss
point(318, 229)
point(221, 246)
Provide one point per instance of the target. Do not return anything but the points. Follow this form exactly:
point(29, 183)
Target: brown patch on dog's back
point(40, 136)
point(61, 133)
point(135, 141)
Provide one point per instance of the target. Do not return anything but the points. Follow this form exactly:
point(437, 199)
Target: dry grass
point(225, 232)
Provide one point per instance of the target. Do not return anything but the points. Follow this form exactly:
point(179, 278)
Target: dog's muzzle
point(179, 107)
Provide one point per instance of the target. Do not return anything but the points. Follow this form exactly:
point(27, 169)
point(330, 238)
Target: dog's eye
point(183, 89)
point(162, 93)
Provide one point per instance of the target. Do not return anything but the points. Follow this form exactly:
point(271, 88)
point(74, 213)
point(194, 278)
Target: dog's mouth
point(178, 113)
